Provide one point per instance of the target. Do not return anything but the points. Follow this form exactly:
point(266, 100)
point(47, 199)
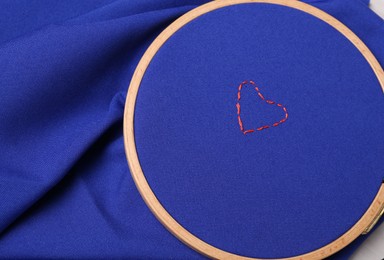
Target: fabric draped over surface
point(65, 187)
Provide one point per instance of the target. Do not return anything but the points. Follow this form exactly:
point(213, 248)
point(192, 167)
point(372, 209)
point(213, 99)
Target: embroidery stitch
point(270, 102)
point(238, 108)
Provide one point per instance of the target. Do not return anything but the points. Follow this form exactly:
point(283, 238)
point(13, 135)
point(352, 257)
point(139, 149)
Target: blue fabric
point(274, 193)
point(65, 188)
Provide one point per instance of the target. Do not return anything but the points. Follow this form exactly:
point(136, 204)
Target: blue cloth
point(273, 193)
point(65, 188)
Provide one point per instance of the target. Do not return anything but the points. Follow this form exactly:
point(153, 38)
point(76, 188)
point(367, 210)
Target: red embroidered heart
point(269, 102)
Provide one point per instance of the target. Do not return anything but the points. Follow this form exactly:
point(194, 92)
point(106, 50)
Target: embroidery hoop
point(365, 223)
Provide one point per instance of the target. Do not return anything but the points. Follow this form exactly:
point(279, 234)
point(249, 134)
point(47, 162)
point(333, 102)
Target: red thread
point(270, 102)
point(238, 108)
point(240, 123)
point(262, 128)
point(248, 131)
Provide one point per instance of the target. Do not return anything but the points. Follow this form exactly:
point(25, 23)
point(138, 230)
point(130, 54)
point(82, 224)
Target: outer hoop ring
point(137, 173)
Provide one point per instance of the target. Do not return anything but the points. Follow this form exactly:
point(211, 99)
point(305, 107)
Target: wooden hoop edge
point(139, 178)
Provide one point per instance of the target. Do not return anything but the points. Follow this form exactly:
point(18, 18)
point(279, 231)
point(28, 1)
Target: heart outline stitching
point(270, 102)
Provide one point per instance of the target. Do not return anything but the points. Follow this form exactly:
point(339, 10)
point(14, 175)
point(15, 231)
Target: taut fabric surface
point(65, 187)
point(282, 191)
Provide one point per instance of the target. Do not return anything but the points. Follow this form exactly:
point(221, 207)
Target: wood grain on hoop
point(137, 173)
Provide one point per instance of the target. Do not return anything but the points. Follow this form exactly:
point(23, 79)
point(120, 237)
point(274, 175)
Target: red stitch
point(240, 123)
point(262, 128)
point(249, 131)
point(262, 98)
point(238, 108)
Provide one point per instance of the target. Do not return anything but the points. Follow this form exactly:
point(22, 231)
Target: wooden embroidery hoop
point(365, 223)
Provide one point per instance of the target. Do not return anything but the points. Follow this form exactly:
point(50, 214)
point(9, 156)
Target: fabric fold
point(57, 87)
point(65, 187)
